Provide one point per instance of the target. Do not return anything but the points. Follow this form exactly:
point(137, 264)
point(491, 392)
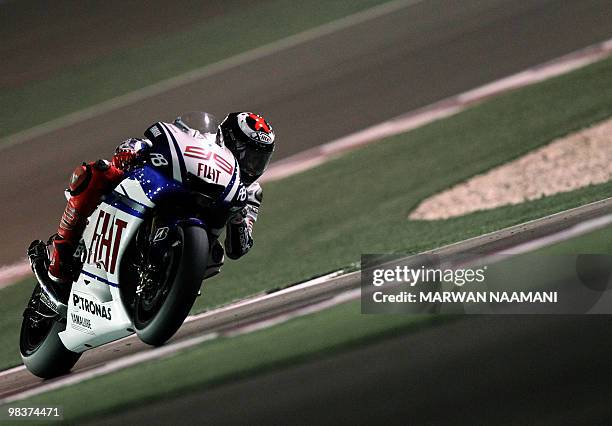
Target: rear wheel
point(42, 351)
point(162, 306)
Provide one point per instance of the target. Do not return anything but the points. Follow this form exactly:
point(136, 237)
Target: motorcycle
point(144, 253)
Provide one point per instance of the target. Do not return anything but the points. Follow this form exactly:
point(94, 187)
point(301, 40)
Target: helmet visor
point(254, 161)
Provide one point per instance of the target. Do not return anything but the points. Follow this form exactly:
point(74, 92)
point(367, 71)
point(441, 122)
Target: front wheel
point(42, 351)
point(161, 309)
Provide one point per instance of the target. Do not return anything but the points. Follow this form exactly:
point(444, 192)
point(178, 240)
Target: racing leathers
point(91, 181)
point(238, 231)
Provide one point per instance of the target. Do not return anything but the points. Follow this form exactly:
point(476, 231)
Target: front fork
point(161, 237)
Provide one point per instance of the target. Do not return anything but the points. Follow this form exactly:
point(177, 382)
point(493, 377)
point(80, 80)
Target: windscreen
point(203, 122)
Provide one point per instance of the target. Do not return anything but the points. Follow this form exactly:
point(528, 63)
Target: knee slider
point(80, 179)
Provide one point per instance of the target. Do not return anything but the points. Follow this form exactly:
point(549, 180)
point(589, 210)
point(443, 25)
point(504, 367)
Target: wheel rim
point(35, 327)
point(150, 301)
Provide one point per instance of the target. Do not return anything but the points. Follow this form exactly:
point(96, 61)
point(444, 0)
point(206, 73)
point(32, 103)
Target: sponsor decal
point(155, 131)
point(80, 321)
point(262, 137)
point(105, 243)
point(47, 302)
point(92, 307)
point(208, 173)
point(161, 234)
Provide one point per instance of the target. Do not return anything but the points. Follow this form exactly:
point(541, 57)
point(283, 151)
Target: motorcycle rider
point(248, 136)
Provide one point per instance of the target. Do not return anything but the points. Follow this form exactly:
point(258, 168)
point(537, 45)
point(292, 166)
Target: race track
point(315, 92)
point(471, 371)
point(235, 316)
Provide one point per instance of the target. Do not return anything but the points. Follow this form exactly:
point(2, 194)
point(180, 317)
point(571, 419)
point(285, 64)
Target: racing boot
point(56, 293)
point(61, 266)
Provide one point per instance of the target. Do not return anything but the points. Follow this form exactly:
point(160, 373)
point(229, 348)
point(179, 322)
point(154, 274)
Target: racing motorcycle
point(144, 252)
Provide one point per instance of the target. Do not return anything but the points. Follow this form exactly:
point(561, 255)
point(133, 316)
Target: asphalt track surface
point(527, 370)
point(43, 38)
point(317, 91)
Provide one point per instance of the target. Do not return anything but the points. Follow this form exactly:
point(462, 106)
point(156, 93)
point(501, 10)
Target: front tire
point(189, 262)
point(42, 351)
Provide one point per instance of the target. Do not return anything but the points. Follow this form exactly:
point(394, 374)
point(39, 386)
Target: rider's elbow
point(235, 253)
point(238, 240)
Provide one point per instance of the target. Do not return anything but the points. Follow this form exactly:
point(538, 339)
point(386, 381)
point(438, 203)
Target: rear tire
point(183, 291)
point(42, 351)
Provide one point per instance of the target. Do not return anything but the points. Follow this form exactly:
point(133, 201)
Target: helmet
point(251, 139)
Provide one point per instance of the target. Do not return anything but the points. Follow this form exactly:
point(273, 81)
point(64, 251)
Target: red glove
point(124, 159)
point(128, 152)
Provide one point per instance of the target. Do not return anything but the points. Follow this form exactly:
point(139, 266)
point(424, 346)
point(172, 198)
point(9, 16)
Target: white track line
point(12, 370)
point(13, 273)
point(325, 304)
point(575, 231)
point(207, 71)
point(111, 366)
point(444, 108)
point(257, 299)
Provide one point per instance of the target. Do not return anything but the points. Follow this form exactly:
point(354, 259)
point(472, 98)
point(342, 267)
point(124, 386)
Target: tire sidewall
point(51, 358)
point(184, 289)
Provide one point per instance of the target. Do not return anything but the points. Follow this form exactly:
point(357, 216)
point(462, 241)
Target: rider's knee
point(96, 174)
point(80, 179)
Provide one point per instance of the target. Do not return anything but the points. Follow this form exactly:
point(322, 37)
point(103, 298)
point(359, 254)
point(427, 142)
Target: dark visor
point(254, 161)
